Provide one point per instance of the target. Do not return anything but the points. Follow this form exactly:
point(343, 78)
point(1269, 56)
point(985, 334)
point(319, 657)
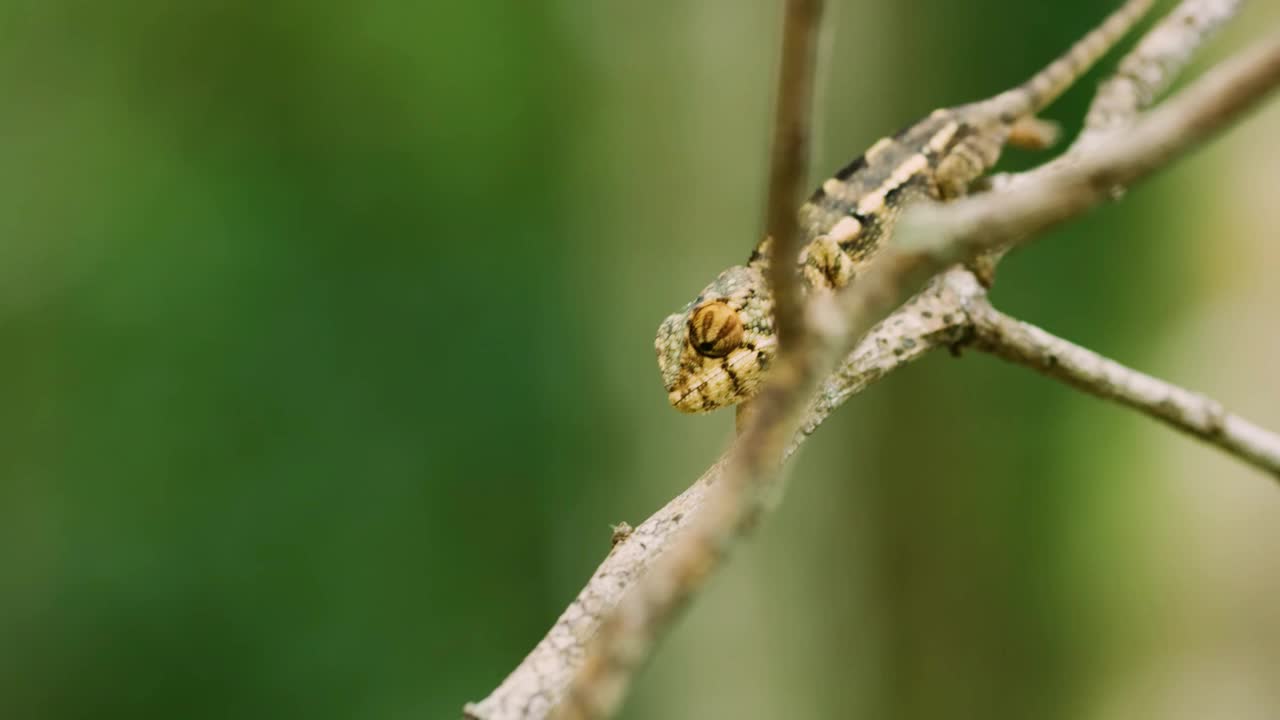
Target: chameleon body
point(716, 351)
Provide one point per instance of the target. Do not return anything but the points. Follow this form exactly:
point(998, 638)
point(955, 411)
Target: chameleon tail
point(1045, 86)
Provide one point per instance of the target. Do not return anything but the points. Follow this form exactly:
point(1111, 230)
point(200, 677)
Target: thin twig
point(1152, 66)
point(1141, 76)
point(789, 161)
point(1083, 369)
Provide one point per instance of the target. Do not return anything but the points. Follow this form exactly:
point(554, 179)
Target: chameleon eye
point(715, 329)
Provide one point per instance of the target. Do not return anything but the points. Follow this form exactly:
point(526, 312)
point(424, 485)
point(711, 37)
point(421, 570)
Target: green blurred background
point(327, 362)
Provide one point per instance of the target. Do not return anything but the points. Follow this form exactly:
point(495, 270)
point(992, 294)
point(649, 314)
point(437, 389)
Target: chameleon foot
point(1033, 133)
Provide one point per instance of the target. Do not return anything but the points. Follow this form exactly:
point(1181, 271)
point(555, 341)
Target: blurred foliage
point(327, 362)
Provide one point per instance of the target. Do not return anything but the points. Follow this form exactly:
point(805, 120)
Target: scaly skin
point(716, 351)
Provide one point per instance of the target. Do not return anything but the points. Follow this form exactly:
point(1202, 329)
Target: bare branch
point(932, 237)
point(1150, 68)
point(540, 681)
point(649, 576)
point(935, 318)
point(1145, 72)
point(789, 163)
point(1083, 369)
point(1103, 172)
point(626, 636)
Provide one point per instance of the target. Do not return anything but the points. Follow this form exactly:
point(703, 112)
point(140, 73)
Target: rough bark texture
point(1083, 369)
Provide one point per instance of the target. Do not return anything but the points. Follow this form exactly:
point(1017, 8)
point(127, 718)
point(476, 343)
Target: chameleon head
point(715, 351)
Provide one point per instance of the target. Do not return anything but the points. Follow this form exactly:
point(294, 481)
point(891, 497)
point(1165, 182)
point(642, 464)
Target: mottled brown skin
point(717, 350)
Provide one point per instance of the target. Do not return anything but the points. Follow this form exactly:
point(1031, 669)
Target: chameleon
point(716, 351)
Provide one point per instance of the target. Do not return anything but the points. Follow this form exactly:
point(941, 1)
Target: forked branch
point(626, 636)
point(609, 630)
